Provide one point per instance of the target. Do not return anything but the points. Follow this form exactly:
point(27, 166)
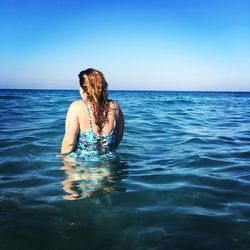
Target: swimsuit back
point(91, 144)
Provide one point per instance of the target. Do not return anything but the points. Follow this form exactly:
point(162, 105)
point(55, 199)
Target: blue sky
point(162, 45)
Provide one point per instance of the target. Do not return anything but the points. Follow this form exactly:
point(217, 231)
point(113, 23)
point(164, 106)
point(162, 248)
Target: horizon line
point(139, 90)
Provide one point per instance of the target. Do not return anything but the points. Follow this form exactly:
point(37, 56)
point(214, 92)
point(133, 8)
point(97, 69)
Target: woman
point(94, 124)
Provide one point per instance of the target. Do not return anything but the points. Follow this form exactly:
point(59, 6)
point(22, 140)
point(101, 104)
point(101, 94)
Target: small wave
point(242, 154)
point(196, 210)
point(19, 182)
point(11, 97)
point(243, 138)
point(246, 132)
point(207, 161)
point(195, 141)
point(176, 102)
point(226, 138)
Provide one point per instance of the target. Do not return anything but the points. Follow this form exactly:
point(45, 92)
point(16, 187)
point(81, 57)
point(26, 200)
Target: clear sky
point(150, 44)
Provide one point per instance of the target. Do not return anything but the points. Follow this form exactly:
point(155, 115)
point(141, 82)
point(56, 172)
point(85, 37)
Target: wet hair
point(93, 83)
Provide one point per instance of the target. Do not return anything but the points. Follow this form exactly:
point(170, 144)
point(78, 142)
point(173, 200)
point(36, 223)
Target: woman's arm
point(120, 124)
point(71, 130)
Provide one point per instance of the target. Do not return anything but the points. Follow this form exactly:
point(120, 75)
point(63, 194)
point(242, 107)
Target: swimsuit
point(92, 146)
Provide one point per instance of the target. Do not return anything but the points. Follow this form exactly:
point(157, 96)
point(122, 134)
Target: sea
point(180, 179)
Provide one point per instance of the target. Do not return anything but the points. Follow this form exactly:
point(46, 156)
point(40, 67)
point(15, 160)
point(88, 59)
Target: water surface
point(181, 180)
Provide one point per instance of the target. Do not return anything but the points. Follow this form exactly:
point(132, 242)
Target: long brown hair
point(93, 83)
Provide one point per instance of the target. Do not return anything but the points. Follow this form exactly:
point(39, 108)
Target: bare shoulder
point(75, 106)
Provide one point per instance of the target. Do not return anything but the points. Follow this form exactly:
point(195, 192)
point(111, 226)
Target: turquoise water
point(181, 179)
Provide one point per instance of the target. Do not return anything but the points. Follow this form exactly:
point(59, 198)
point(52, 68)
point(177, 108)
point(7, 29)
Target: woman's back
point(86, 117)
point(89, 143)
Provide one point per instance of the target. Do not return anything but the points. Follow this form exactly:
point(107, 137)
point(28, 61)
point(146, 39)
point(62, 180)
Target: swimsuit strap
point(89, 116)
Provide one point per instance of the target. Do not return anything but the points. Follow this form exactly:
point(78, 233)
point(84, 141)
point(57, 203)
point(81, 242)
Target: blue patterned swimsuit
point(92, 146)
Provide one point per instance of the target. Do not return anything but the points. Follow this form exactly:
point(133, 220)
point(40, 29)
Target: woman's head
point(93, 83)
point(94, 86)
